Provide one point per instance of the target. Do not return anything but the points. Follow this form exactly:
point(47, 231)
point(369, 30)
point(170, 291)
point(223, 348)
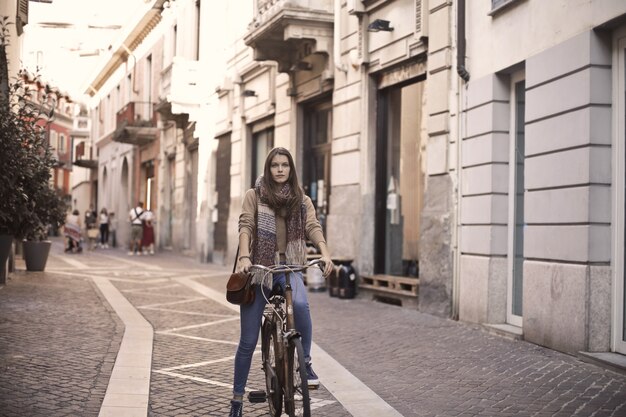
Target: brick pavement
point(419, 364)
point(58, 342)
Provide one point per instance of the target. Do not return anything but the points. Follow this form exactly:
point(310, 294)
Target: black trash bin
point(333, 282)
point(346, 278)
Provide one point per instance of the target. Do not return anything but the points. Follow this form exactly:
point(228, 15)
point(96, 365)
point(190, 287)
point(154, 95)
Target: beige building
point(343, 85)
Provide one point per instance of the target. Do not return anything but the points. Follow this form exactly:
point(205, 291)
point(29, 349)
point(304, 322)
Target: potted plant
point(28, 204)
point(47, 215)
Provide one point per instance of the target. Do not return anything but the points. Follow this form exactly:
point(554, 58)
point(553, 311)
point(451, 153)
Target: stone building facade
point(542, 172)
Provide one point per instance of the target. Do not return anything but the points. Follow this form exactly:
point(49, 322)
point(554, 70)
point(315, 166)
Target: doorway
point(317, 125)
point(191, 198)
point(515, 255)
point(222, 188)
point(399, 180)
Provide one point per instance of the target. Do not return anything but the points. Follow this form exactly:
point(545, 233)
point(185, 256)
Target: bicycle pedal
point(257, 396)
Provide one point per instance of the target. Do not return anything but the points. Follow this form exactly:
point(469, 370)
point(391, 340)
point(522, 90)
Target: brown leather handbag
point(239, 289)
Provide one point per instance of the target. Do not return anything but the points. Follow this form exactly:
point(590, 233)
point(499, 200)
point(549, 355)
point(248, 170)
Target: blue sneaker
point(312, 379)
point(236, 409)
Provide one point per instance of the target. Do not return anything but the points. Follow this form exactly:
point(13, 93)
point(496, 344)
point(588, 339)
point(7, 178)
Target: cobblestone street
point(60, 339)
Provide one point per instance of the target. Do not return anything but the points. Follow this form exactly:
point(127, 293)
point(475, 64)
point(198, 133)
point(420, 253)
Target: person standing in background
point(72, 232)
point(104, 228)
point(91, 221)
point(136, 229)
point(147, 242)
point(112, 229)
point(90, 217)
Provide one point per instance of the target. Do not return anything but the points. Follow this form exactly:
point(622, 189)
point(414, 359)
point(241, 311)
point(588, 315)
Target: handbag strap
point(236, 256)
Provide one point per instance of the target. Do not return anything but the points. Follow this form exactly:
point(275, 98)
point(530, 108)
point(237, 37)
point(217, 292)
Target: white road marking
point(143, 265)
point(196, 326)
point(195, 378)
point(191, 313)
point(75, 263)
point(172, 302)
point(152, 288)
point(226, 342)
point(139, 281)
point(129, 386)
point(199, 364)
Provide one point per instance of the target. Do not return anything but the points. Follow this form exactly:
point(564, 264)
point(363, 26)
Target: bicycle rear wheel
point(297, 401)
point(269, 355)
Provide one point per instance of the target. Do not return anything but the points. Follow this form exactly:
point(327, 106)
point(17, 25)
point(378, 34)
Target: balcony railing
point(136, 123)
point(180, 86)
point(269, 7)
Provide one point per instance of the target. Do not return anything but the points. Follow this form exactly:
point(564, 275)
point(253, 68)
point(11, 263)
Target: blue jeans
point(251, 316)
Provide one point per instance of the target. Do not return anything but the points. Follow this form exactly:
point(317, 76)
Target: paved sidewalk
point(59, 340)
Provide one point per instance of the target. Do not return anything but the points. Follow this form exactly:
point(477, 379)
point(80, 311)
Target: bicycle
point(281, 350)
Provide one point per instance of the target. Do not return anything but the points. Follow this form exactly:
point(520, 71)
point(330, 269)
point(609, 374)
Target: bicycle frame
point(282, 324)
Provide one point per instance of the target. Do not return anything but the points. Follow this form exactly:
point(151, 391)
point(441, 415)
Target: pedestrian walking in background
point(112, 229)
point(276, 219)
point(104, 228)
point(147, 241)
point(136, 229)
point(72, 232)
point(91, 221)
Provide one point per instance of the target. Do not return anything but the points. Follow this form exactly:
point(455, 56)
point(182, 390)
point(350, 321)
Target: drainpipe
point(461, 125)
point(460, 40)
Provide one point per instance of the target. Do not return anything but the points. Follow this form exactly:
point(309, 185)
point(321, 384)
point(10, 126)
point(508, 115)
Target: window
point(62, 143)
point(497, 5)
point(129, 88)
point(53, 141)
point(262, 143)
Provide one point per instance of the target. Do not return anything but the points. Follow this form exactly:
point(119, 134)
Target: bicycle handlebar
point(288, 268)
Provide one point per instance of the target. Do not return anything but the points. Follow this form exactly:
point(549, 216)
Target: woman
point(275, 220)
point(72, 232)
point(104, 228)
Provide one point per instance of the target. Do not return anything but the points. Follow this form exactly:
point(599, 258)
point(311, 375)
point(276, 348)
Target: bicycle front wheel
point(269, 352)
point(297, 401)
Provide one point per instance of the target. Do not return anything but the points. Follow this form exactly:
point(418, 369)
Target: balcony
point(136, 124)
point(286, 31)
point(180, 83)
point(82, 157)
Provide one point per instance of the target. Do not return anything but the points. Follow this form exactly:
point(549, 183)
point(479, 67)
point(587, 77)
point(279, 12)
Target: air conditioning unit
point(355, 6)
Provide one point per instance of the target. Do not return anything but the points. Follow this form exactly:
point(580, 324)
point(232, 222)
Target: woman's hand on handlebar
point(327, 265)
point(244, 265)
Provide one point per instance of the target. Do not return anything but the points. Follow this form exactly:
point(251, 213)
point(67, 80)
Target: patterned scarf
point(265, 246)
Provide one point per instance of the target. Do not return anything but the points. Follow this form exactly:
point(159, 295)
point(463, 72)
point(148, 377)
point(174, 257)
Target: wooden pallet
point(390, 284)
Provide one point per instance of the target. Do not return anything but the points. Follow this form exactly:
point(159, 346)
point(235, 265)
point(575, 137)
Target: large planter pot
point(5, 249)
point(36, 254)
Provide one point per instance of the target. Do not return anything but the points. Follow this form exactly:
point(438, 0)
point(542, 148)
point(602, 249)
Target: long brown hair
point(275, 198)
